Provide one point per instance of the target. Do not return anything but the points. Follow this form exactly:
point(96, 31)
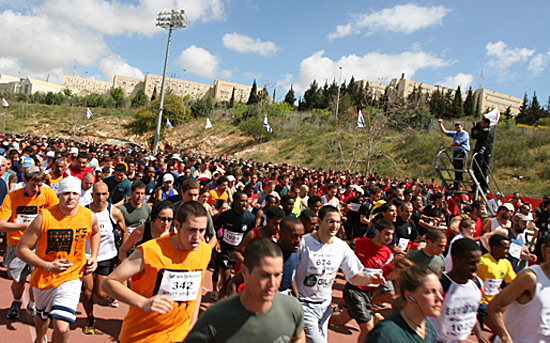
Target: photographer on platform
point(484, 146)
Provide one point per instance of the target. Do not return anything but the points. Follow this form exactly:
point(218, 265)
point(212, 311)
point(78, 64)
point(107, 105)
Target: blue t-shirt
point(289, 267)
point(462, 139)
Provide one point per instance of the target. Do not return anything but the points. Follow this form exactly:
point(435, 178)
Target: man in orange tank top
point(59, 233)
point(167, 275)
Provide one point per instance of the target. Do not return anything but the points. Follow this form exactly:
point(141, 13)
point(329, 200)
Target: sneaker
point(113, 303)
point(31, 309)
point(89, 328)
point(15, 310)
point(215, 295)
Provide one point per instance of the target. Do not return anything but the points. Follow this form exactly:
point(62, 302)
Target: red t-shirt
point(73, 171)
point(373, 256)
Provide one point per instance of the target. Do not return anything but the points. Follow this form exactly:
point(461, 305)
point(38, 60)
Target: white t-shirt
point(318, 266)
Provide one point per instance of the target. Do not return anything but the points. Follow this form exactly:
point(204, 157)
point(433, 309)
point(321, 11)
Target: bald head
point(100, 195)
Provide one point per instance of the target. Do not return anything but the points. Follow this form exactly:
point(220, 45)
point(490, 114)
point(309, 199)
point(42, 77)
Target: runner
point(119, 185)
point(167, 275)
point(527, 303)
point(57, 173)
point(259, 314)
point(432, 254)
point(18, 210)
point(111, 227)
point(137, 210)
point(59, 233)
point(78, 166)
point(322, 254)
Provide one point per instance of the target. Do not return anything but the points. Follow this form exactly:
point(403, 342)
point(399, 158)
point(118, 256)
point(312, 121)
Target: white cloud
point(372, 66)
point(198, 61)
point(502, 57)
point(285, 82)
point(117, 17)
point(460, 79)
point(226, 74)
point(539, 63)
point(400, 18)
point(252, 75)
point(246, 44)
point(114, 65)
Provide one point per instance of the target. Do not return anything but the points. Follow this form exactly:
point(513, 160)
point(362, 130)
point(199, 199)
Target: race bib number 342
point(180, 285)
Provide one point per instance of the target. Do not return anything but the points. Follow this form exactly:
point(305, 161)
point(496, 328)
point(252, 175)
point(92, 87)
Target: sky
point(283, 43)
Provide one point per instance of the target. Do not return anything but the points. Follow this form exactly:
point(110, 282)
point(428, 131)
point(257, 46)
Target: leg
point(61, 331)
point(41, 328)
point(312, 323)
point(97, 289)
point(17, 288)
point(87, 294)
point(225, 274)
point(365, 329)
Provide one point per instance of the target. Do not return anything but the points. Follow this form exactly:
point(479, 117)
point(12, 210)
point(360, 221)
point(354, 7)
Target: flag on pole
point(208, 124)
point(266, 124)
point(360, 120)
point(168, 124)
point(493, 116)
point(4, 103)
point(88, 113)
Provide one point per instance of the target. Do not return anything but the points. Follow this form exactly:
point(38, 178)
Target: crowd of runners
point(86, 222)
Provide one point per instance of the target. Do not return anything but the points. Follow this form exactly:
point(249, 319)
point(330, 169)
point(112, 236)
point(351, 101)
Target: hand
point(377, 279)
point(532, 257)
point(218, 248)
point(440, 120)
point(58, 266)
point(91, 266)
point(159, 303)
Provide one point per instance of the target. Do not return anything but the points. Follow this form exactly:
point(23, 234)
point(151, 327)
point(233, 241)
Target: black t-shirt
point(405, 229)
point(433, 211)
point(416, 216)
point(235, 227)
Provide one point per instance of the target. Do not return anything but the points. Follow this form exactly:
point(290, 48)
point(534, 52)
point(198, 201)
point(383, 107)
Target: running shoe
point(15, 310)
point(89, 328)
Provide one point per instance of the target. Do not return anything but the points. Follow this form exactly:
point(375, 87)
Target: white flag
point(4, 103)
point(493, 116)
point(88, 113)
point(208, 124)
point(360, 120)
point(266, 124)
point(168, 124)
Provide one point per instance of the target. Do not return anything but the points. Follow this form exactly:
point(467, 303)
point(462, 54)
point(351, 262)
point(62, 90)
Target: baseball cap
point(521, 216)
point(73, 150)
point(231, 178)
point(50, 154)
point(167, 177)
point(509, 206)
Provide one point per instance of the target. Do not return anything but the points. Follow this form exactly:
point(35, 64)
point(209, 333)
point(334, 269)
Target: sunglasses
point(165, 219)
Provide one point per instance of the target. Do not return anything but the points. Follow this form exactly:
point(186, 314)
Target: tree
point(253, 97)
point(290, 98)
point(457, 108)
point(311, 96)
point(469, 106)
point(118, 96)
point(154, 95)
point(265, 96)
point(232, 100)
point(140, 99)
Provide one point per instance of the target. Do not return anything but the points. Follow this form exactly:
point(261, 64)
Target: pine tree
point(522, 116)
point(311, 96)
point(290, 98)
point(154, 95)
point(458, 105)
point(253, 97)
point(232, 100)
point(469, 106)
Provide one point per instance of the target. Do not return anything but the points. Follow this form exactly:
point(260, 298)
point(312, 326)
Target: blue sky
point(280, 43)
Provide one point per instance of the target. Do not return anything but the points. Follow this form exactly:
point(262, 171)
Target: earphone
point(412, 299)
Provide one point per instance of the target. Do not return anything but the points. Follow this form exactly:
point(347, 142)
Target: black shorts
point(224, 259)
point(105, 268)
point(357, 302)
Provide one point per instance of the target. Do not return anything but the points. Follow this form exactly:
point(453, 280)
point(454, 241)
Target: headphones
point(412, 299)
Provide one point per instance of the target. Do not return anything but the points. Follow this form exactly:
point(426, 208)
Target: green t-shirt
point(229, 322)
point(117, 190)
point(394, 329)
point(133, 217)
point(436, 263)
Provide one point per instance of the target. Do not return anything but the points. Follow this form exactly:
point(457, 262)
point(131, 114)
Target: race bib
point(320, 282)
point(544, 329)
point(492, 286)
point(321, 264)
point(180, 285)
point(232, 238)
point(515, 250)
point(403, 244)
point(459, 327)
point(25, 218)
point(371, 271)
point(354, 207)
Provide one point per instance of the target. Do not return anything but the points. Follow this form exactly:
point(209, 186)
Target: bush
point(253, 127)
point(145, 120)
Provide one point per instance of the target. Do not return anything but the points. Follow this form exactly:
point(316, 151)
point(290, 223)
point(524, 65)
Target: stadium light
point(168, 20)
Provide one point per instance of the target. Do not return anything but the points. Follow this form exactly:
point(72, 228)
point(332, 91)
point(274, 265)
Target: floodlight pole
point(167, 20)
point(338, 97)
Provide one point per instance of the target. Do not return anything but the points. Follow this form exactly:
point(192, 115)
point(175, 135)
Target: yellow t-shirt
point(169, 271)
point(215, 194)
point(19, 208)
point(492, 272)
point(62, 237)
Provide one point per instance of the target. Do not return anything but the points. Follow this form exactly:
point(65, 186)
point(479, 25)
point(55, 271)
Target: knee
point(61, 327)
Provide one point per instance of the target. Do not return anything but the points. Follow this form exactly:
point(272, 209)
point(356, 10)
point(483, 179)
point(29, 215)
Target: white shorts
point(59, 302)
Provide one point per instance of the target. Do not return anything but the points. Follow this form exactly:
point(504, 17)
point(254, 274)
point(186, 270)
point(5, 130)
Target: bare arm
point(28, 240)
point(238, 254)
point(363, 280)
point(522, 290)
point(120, 224)
point(135, 236)
point(113, 286)
point(6, 226)
point(94, 246)
point(301, 338)
point(441, 127)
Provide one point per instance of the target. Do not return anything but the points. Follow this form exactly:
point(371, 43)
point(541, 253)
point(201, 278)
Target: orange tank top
point(172, 272)
point(62, 237)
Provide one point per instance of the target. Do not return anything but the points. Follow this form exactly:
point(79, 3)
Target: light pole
point(338, 97)
point(169, 20)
